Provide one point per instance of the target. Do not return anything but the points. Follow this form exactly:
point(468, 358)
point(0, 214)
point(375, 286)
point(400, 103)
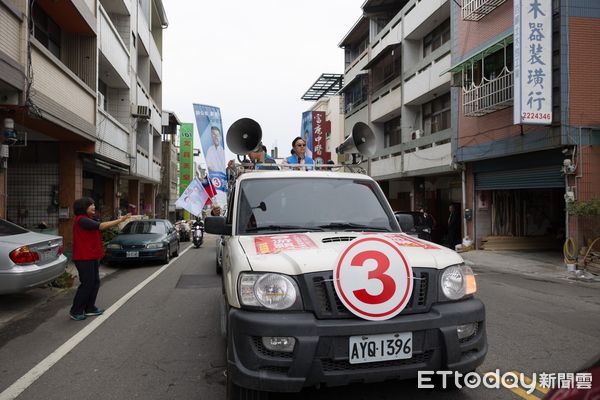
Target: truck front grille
point(325, 303)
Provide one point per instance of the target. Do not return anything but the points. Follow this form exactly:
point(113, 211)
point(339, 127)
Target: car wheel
point(167, 256)
point(176, 253)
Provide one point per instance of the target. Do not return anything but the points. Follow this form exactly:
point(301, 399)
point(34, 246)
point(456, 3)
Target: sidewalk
point(20, 305)
point(544, 265)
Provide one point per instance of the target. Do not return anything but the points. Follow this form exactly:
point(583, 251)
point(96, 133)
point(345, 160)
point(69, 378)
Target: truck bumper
point(320, 356)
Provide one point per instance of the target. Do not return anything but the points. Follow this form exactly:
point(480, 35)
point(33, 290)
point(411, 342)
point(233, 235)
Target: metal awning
point(385, 51)
point(493, 47)
point(326, 85)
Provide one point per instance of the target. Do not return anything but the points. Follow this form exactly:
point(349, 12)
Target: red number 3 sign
point(373, 279)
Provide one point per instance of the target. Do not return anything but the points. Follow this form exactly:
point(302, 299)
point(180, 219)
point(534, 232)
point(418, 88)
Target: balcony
point(113, 139)
point(491, 95)
point(391, 35)
point(429, 153)
point(113, 48)
point(430, 79)
point(386, 101)
point(425, 16)
point(155, 58)
point(474, 10)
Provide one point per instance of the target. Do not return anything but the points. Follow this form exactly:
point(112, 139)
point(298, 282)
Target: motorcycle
point(197, 234)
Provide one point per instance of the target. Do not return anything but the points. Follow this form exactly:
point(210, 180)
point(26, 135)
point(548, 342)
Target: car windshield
point(312, 204)
point(144, 227)
point(8, 228)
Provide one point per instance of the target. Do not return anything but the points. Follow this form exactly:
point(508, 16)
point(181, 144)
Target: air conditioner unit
point(416, 134)
point(9, 97)
point(143, 112)
point(101, 101)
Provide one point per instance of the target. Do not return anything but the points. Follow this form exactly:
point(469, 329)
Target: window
point(436, 114)
point(436, 38)
point(46, 31)
point(355, 94)
point(490, 66)
point(388, 68)
point(392, 134)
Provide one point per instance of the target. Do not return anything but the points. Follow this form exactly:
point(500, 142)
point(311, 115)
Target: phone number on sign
point(537, 116)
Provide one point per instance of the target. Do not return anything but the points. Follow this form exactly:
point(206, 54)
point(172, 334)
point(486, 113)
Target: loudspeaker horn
point(244, 136)
point(361, 140)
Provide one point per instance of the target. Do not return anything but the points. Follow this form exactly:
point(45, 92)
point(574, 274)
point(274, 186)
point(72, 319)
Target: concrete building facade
point(83, 87)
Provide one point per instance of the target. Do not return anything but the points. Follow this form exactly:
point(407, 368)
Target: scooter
point(197, 234)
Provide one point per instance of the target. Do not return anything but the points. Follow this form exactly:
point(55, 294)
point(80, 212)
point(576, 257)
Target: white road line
point(14, 390)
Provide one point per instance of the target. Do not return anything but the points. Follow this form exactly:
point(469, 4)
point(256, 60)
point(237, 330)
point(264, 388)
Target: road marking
point(537, 386)
point(518, 391)
point(14, 390)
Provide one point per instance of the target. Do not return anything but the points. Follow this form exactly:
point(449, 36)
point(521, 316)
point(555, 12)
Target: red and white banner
point(279, 243)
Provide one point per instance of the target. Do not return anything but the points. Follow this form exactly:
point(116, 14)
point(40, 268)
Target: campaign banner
point(210, 129)
point(193, 198)
point(314, 132)
point(532, 54)
point(186, 154)
point(306, 132)
point(321, 128)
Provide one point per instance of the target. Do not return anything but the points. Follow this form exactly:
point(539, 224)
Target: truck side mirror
point(217, 226)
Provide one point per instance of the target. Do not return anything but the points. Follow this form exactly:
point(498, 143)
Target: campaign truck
point(322, 288)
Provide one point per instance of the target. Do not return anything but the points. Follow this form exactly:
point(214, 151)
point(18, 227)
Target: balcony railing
point(474, 10)
point(489, 96)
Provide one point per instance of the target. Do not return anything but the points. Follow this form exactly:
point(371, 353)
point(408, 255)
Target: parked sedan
point(144, 240)
point(28, 259)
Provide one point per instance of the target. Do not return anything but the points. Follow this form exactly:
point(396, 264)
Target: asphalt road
point(163, 342)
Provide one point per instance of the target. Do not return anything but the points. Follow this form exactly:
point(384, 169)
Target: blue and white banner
point(532, 51)
point(210, 129)
point(193, 198)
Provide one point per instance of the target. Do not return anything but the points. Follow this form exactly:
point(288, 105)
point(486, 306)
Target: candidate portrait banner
point(193, 198)
point(210, 129)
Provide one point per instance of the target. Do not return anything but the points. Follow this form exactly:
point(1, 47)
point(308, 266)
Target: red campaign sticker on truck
point(278, 243)
point(407, 241)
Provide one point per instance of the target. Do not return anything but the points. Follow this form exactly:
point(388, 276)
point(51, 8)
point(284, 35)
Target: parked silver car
point(28, 259)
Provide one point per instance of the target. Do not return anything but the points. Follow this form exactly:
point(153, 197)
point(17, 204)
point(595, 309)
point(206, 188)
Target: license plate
point(133, 254)
point(373, 348)
point(48, 255)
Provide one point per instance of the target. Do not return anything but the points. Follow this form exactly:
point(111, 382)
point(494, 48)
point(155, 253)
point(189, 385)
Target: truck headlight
point(272, 291)
point(458, 281)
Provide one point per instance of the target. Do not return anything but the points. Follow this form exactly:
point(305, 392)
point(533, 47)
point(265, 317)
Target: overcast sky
point(252, 58)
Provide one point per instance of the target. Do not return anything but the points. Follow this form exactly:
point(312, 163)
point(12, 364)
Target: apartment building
point(396, 56)
point(167, 192)
point(83, 87)
point(520, 174)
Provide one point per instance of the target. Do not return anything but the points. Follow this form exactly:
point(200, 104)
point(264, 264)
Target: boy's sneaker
point(77, 317)
point(94, 313)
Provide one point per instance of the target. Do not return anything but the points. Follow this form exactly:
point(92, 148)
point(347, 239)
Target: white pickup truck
point(320, 287)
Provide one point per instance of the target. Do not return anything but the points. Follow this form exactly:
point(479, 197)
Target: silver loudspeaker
point(361, 140)
point(244, 136)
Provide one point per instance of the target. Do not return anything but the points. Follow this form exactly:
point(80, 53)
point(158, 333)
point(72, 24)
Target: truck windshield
point(312, 204)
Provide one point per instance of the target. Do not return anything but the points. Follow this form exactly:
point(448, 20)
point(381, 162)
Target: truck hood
point(301, 253)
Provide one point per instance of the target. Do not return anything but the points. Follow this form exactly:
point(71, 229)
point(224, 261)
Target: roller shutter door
point(527, 178)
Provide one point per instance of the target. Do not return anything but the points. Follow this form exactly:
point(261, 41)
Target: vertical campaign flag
point(307, 132)
point(186, 154)
point(532, 54)
point(321, 128)
point(314, 132)
point(193, 198)
point(210, 128)
point(209, 188)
